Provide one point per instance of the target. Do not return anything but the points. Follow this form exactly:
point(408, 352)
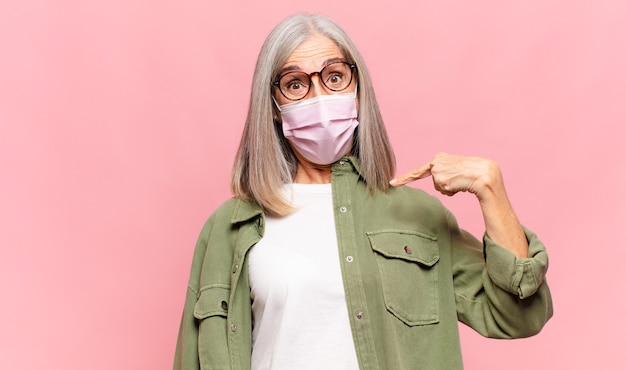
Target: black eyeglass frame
point(352, 67)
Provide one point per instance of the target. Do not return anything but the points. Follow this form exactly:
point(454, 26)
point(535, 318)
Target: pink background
point(119, 120)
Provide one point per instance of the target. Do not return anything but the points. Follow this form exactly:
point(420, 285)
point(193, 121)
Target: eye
point(336, 76)
point(335, 79)
point(294, 85)
point(295, 82)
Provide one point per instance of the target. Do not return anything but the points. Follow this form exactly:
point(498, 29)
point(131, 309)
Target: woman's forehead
point(313, 53)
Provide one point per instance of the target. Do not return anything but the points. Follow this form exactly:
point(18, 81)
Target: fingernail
point(393, 181)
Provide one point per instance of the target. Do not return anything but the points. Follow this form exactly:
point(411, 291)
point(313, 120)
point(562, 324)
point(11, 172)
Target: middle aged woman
point(319, 263)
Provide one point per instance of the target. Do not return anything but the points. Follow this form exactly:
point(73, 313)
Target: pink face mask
point(321, 128)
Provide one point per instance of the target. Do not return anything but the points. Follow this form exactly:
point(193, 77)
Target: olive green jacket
point(409, 275)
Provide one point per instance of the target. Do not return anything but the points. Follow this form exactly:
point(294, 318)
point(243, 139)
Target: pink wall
point(119, 121)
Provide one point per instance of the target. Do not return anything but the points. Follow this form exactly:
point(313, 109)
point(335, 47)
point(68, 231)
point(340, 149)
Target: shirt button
point(235, 268)
point(359, 315)
point(343, 209)
point(349, 258)
point(342, 163)
point(233, 327)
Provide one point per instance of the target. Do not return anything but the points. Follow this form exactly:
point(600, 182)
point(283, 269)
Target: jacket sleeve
point(498, 294)
point(186, 355)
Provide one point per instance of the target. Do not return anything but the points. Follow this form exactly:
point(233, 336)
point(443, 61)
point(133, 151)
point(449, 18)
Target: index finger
point(418, 173)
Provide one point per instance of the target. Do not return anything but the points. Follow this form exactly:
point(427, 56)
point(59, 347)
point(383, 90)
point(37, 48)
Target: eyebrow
point(295, 67)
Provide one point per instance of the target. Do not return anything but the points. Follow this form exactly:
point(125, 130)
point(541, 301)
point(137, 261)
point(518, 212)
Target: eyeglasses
point(295, 85)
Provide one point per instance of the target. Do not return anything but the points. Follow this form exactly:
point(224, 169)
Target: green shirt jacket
point(409, 274)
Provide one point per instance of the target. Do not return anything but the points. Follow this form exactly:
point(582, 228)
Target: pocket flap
point(407, 245)
point(213, 301)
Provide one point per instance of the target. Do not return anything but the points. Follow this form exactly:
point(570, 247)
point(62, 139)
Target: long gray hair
point(265, 162)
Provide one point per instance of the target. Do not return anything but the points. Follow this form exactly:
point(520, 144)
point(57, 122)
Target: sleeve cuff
point(519, 276)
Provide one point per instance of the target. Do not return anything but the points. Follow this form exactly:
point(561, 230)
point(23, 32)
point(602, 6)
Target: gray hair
point(265, 162)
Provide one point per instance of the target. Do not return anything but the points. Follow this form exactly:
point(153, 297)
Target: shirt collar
point(353, 161)
point(247, 210)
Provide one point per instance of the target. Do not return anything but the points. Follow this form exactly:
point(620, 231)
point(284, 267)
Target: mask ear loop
point(356, 89)
point(276, 103)
point(276, 112)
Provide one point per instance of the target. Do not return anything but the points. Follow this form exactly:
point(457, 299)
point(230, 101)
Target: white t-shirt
point(298, 301)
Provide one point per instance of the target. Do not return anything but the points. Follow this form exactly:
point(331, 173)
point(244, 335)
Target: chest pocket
point(213, 301)
point(407, 262)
